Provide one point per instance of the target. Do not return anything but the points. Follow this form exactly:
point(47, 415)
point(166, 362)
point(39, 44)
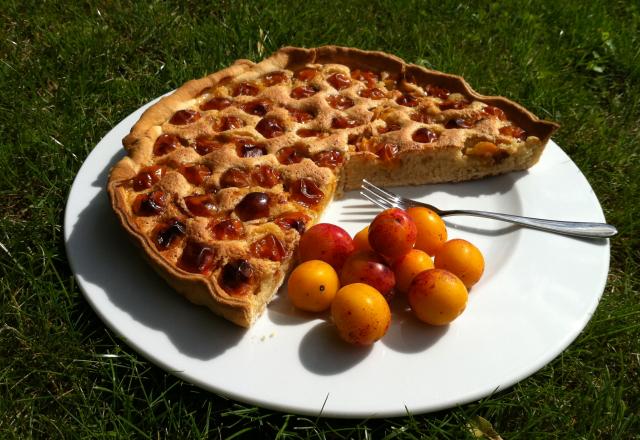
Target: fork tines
point(379, 196)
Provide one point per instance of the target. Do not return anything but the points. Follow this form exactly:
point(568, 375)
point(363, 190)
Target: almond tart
point(223, 176)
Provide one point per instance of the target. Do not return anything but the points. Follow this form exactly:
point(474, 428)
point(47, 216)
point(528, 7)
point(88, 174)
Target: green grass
point(70, 72)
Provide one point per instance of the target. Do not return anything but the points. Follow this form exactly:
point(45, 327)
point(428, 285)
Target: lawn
point(71, 71)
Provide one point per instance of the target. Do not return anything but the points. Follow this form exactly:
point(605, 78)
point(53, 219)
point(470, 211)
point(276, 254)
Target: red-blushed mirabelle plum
point(326, 242)
point(432, 232)
point(313, 285)
point(461, 258)
point(392, 233)
point(361, 240)
point(410, 265)
point(369, 268)
point(361, 314)
point(437, 296)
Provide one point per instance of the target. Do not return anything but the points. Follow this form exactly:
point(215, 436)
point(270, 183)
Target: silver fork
point(386, 199)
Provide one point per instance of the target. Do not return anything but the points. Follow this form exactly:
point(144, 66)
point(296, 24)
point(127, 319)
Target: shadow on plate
point(323, 352)
point(281, 311)
point(452, 224)
point(356, 205)
point(482, 187)
point(103, 256)
point(407, 333)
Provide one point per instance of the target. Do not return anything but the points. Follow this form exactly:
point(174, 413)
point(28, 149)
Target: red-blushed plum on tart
point(223, 176)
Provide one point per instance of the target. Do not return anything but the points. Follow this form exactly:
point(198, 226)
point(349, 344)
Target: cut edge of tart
point(222, 176)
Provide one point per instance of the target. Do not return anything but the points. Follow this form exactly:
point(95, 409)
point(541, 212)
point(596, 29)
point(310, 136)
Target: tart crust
point(453, 156)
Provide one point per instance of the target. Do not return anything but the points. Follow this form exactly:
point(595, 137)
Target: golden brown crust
point(515, 112)
point(452, 157)
point(140, 138)
point(195, 288)
point(139, 143)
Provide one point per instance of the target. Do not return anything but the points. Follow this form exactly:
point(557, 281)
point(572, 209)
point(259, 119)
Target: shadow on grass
point(118, 280)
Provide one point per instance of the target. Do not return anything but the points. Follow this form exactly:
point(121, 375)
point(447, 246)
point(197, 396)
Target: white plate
point(538, 292)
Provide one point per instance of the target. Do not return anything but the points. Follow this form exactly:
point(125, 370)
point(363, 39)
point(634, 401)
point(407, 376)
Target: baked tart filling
point(223, 176)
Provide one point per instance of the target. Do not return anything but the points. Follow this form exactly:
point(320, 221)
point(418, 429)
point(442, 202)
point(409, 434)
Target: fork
point(385, 199)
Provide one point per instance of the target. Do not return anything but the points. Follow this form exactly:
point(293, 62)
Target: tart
point(223, 176)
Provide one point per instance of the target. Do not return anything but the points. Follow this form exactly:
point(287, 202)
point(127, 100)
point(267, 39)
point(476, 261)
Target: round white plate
point(538, 292)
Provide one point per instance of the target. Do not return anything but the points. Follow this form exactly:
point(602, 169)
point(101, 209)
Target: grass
point(71, 71)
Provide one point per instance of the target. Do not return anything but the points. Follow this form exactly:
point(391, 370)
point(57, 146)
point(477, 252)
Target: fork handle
point(577, 229)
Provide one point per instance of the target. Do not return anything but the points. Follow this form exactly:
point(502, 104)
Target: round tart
point(223, 176)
